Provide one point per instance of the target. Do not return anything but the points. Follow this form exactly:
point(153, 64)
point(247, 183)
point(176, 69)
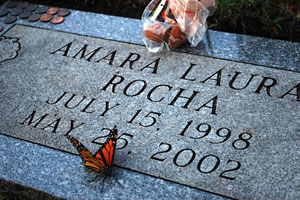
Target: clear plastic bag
point(169, 23)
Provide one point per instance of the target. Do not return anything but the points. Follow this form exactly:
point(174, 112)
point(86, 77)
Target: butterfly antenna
point(118, 182)
point(90, 173)
point(93, 179)
point(103, 183)
point(86, 177)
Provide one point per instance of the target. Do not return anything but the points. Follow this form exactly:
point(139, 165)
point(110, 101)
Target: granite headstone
point(222, 126)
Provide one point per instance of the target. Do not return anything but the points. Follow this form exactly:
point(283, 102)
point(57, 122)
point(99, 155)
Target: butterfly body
point(102, 160)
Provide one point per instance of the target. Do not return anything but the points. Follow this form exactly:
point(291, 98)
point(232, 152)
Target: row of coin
point(32, 13)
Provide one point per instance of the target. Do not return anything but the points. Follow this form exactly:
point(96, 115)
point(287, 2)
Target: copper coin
point(1, 28)
point(11, 4)
point(3, 12)
point(25, 14)
point(10, 19)
point(53, 10)
point(22, 4)
point(41, 9)
point(34, 17)
point(57, 20)
point(46, 18)
point(16, 11)
point(63, 13)
point(31, 7)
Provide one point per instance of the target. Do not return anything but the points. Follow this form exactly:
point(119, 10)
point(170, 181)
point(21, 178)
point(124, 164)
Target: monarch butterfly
point(102, 160)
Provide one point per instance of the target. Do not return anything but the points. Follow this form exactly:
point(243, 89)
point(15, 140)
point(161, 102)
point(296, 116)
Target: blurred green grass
point(278, 19)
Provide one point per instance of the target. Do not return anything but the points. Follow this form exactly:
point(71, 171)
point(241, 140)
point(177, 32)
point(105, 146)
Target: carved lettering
point(179, 95)
point(57, 100)
point(109, 57)
point(235, 77)
point(84, 55)
point(113, 83)
point(107, 108)
point(31, 119)
point(154, 68)
point(184, 76)
point(297, 92)
point(85, 109)
point(72, 127)
point(65, 49)
point(133, 57)
point(139, 90)
point(264, 84)
point(53, 125)
point(76, 104)
point(218, 77)
point(213, 107)
point(154, 89)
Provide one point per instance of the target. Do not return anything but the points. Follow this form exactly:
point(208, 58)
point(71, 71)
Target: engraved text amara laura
point(259, 84)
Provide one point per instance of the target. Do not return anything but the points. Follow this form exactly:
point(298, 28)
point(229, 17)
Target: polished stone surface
point(271, 113)
point(221, 135)
point(60, 174)
point(243, 48)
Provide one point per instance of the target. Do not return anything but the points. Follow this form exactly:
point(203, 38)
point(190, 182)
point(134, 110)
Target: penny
point(25, 14)
point(16, 11)
point(63, 13)
point(3, 12)
point(41, 9)
point(46, 18)
point(22, 5)
point(34, 18)
point(57, 20)
point(1, 28)
point(31, 7)
point(53, 10)
point(10, 19)
point(11, 4)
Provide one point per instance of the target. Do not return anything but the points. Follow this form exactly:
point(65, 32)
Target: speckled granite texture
point(272, 123)
point(236, 47)
point(211, 141)
point(60, 174)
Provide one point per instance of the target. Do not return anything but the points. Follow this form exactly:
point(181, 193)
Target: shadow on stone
point(13, 191)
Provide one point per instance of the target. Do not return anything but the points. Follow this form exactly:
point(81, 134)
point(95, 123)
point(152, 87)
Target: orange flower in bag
point(169, 23)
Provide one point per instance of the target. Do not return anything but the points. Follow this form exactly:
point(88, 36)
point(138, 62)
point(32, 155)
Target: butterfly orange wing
point(88, 159)
point(107, 152)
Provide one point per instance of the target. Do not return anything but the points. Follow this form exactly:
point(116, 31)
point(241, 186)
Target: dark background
point(277, 19)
